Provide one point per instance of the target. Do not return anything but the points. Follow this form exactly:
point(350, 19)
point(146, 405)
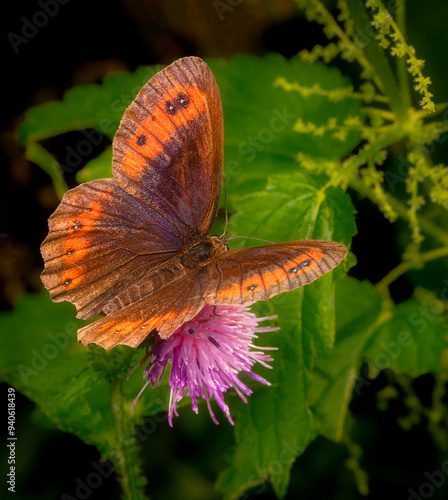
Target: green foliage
point(297, 137)
point(278, 422)
point(381, 128)
point(80, 390)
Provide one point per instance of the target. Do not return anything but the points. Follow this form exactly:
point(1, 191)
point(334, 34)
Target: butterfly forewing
point(168, 151)
point(105, 237)
point(101, 240)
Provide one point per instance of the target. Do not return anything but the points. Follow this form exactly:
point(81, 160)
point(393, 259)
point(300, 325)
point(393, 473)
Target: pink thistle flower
point(207, 354)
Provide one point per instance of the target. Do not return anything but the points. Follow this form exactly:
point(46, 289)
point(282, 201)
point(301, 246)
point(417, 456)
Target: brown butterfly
point(135, 247)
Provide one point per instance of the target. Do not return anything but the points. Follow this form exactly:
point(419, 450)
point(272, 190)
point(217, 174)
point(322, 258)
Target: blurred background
point(81, 41)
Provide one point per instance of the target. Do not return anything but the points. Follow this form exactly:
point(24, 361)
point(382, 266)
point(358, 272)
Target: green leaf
point(358, 309)
point(259, 117)
point(276, 424)
point(93, 106)
point(298, 206)
point(410, 342)
point(99, 106)
point(80, 390)
point(409, 339)
point(98, 168)
point(50, 367)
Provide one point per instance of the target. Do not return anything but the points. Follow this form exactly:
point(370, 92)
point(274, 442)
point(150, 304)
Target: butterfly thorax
point(202, 252)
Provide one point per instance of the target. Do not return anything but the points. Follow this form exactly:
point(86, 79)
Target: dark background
point(80, 43)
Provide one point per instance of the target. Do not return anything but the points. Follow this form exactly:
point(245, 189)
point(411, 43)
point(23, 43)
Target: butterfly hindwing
point(233, 277)
point(259, 273)
point(165, 310)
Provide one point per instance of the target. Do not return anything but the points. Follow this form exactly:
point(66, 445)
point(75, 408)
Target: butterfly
point(136, 247)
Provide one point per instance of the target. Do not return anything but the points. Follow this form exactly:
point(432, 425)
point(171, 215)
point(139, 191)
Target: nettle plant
point(299, 138)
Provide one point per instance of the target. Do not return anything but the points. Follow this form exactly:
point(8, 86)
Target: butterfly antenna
point(228, 238)
point(225, 206)
point(225, 238)
point(250, 238)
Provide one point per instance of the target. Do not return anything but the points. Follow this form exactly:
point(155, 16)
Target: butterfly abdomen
point(192, 259)
point(148, 284)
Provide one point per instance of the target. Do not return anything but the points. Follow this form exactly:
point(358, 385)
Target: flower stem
point(125, 458)
point(391, 135)
point(378, 60)
point(402, 70)
point(404, 267)
point(39, 155)
point(401, 209)
point(345, 39)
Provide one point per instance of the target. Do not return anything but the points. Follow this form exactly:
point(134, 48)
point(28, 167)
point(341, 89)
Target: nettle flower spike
point(207, 354)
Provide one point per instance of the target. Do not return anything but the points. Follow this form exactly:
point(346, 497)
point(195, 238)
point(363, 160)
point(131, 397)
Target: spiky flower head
point(207, 355)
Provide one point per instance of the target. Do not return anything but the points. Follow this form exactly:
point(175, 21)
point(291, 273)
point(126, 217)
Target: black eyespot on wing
point(300, 266)
point(250, 288)
point(170, 108)
point(182, 101)
point(141, 140)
